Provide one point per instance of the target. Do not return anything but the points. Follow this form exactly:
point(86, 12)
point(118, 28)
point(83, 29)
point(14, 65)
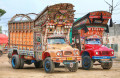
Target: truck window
point(56, 41)
point(92, 41)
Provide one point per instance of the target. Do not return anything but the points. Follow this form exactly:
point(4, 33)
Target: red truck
point(87, 35)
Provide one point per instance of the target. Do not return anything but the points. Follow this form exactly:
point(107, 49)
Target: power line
point(111, 6)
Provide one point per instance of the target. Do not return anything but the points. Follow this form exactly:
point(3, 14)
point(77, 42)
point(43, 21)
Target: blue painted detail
point(33, 61)
point(103, 57)
point(68, 62)
point(13, 62)
point(47, 62)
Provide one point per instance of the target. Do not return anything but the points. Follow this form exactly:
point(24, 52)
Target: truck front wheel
point(15, 62)
point(49, 65)
point(106, 65)
point(21, 63)
point(87, 63)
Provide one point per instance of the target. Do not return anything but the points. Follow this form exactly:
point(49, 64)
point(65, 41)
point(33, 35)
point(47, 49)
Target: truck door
point(38, 46)
point(77, 41)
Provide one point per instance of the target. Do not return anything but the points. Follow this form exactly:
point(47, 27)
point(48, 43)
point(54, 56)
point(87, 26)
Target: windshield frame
point(93, 41)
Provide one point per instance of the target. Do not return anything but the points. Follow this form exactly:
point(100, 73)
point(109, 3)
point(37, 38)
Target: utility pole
point(111, 9)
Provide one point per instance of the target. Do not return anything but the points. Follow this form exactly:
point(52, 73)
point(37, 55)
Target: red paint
point(92, 48)
point(45, 54)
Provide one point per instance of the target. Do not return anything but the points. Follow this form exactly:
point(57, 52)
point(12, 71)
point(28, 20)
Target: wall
point(113, 39)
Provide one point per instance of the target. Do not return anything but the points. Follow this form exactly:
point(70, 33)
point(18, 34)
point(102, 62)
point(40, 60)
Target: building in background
point(113, 40)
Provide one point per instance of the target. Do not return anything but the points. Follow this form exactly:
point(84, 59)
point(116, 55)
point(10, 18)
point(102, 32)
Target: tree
point(2, 12)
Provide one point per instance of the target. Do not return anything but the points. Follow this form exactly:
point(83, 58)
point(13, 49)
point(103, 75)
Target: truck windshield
point(56, 41)
point(92, 41)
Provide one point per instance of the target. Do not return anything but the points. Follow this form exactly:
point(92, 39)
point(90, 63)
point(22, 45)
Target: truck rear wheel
point(74, 68)
point(106, 65)
point(38, 64)
point(15, 61)
point(49, 65)
point(87, 63)
point(21, 63)
point(1, 53)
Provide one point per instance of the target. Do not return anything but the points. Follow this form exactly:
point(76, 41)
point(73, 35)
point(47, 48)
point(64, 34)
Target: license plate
point(69, 58)
point(71, 65)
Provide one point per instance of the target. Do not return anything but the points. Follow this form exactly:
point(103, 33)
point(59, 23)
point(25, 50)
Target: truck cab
point(87, 35)
point(59, 51)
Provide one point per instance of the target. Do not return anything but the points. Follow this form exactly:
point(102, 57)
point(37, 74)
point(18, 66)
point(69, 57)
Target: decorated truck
point(44, 40)
point(87, 35)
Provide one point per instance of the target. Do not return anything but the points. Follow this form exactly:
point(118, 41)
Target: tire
point(9, 55)
point(87, 63)
point(21, 63)
point(38, 64)
point(74, 68)
point(107, 65)
point(49, 65)
point(57, 64)
point(15, 61)
point(1, 53)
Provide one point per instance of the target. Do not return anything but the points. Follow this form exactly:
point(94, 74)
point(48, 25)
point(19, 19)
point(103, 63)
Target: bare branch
point(108, 3)
point(117, 5)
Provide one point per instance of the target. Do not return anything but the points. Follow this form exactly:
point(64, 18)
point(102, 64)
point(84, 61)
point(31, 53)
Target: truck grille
point(67, 53)
point(105, 53)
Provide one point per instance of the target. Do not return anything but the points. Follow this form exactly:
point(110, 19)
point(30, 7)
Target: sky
point(82, 7)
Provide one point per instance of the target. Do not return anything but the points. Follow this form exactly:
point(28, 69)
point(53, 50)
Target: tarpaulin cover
point(3, 39)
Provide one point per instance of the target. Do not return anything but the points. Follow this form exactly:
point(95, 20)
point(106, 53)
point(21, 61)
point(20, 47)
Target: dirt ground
point(29, 71)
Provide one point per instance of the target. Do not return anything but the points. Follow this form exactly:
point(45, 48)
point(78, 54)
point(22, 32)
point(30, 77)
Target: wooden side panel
point(11, 38)
point(14, 38)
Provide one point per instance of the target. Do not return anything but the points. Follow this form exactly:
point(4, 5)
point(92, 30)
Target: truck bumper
point(103, 57)
point(62, 59)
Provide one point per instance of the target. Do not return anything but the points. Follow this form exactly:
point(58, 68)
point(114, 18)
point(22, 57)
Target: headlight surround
point(59, 53)
point(76, 52)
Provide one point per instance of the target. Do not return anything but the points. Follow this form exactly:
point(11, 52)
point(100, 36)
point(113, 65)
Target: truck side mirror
point(111, 23)
point(107, 29)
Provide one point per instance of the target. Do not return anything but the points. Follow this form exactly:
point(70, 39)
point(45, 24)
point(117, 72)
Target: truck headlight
point(112, 52)
point(97, 53)
point(58, 54)
point(77, 53)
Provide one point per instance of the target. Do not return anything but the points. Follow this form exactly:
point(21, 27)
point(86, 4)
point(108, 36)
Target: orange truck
point(44, 40)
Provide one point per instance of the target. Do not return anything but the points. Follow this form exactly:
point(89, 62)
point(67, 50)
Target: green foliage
point(2, 12)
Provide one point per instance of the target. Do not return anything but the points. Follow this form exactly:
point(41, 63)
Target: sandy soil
point(29, 71)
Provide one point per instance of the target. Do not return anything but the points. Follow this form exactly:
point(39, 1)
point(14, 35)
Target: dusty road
point(29, 71)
